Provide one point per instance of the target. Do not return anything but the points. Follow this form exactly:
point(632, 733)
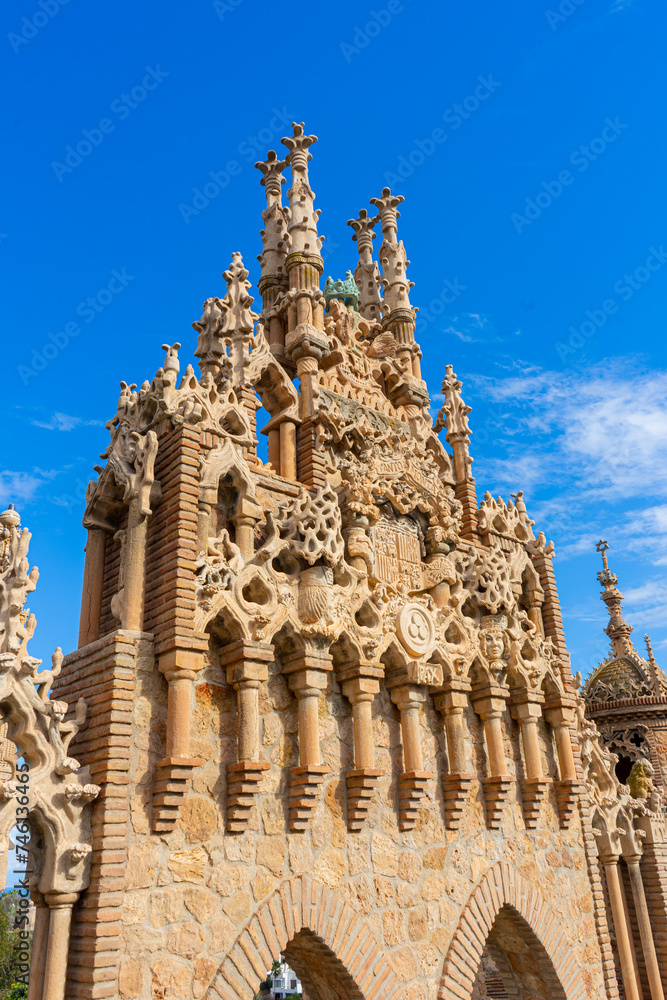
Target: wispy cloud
point(65, 422)
point(18, 487)
point(473, 328)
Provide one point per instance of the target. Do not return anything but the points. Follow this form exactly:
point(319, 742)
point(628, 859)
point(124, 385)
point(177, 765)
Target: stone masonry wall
point(188, 895)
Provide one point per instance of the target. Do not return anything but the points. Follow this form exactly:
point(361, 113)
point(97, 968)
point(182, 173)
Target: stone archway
point(502, 905)
point(332, 950)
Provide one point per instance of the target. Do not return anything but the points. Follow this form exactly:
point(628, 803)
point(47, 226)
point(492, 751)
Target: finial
point(10, 518)
point(364, 227)
point(387, 206)
point(454, 412)
point(236, 312)
point(649, 648)
point(171, 362)
point(605, 576)
point(618, 629)
point(297, 145)
point(272, 169)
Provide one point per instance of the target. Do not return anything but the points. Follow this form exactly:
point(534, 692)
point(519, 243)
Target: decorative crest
point(346, 290)
point(454, 412)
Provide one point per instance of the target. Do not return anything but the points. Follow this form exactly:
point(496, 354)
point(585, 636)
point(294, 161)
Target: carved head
point(494, 639)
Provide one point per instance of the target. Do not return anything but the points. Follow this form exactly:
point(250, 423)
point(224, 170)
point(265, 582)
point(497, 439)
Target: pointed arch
point(503, 890)
point(323, 939)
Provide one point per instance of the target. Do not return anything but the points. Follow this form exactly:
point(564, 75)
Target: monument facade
point(329, 709)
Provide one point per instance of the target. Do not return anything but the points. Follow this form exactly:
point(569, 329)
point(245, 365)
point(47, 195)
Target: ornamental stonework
point(322, 711)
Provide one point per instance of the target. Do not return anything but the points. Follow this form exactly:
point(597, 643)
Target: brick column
point(489, 703)
point(361, 683)
point(306, 673)
point(526, 707)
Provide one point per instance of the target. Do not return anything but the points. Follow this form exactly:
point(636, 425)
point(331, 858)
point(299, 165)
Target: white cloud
point(65, 422)
point(473, 328)
point(18, 487)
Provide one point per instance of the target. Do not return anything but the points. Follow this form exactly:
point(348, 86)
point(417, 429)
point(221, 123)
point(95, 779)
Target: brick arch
point(503, 889)
point(312, 926)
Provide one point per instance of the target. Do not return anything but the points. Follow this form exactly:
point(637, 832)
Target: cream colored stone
point(200, 902)
point(135, 907)
point(199, 819)
point(131, 979)
point(166, 906)
point(238, 908)
point(409, 866)
point(188, 866)
point(227, 879)
point(393, 923)
point(404, 963)
point(330, 867)
point(300, 854)
point(142, 864)
point(172, 976)
point(384, 855)
point(271, 854)
point(262, 885)
point(185, 939)
point(273, 817)
point(223, 934)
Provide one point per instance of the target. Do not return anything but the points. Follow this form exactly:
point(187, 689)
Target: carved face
point(493, 644)
point(404, 363)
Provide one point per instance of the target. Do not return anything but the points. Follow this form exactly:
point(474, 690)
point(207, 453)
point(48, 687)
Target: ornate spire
point(275, 239)
point(227, 323)
point(618, 629)
point(453, 416)
point(657, 676)
point(367, 272)
point(303, 217)
point(392, 254)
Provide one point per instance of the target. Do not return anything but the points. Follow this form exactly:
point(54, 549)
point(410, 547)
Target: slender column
point(307, 677)
point(134, 577)
point(360, 691)
point(628, 924)
point(246, 516)
point(528, 713)
point(179, 699)
point(246, 664)
point(452, 704)
point(560, 719)
point(180, 667)
point(624, 944)
point(288, 449)
point(93, 582)
point(274, 450)
point(490, 708)
point(57, 949)
point(40, 939)
point(409, 698)
point(203, 522)
point(645, 931)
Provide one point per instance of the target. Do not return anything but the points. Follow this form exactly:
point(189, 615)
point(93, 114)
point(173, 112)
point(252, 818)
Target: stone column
point(623, 940)
point(360, 682)
point(246, 515)
point(246, 665)
point(412, 784)
point(527, 709)
point(288, 449)
point(560, 717)
point(134, 576)
point(57, 949)
point(452, 703)
point(645, 931)
point(174, 771)
point(306, 674)
point(40, 939)
point(489, 703)
point(274, 450)
point(93, 582)
point(409, 698)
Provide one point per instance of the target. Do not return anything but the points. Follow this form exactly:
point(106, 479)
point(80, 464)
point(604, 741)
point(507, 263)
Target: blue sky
point(529, 143)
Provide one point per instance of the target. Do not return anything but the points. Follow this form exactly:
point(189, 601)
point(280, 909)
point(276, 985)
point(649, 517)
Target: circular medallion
point(415, 629)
